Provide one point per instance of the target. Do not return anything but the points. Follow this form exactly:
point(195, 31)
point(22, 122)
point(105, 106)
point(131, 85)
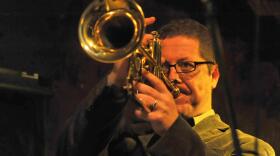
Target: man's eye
point(185, 64)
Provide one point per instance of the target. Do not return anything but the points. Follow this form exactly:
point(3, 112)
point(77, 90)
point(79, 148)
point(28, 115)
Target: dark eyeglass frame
point(194, 63)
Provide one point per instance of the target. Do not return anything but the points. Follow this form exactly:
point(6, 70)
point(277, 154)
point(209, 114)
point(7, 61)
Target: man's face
point(196, 87)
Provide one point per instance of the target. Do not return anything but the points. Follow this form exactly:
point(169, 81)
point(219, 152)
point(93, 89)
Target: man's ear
point(215, 73)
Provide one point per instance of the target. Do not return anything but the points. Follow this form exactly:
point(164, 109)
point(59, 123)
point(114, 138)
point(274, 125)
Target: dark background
point(40, 36)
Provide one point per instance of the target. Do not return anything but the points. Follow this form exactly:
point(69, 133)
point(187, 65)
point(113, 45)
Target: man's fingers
point(149, 20)
point(157, 83)
point(142, 101)
point(148, 90)
point(146, 39)
point(148, 116)
point(148, 103)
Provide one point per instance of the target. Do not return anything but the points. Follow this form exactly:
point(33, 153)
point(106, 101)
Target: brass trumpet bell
point(110, 30)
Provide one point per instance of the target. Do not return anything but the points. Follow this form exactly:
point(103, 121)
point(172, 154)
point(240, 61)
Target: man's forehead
point(180, 42)
point(178, 59)
point(181, 45)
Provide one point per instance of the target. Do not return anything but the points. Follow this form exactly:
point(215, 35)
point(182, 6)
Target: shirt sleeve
point(90, 128)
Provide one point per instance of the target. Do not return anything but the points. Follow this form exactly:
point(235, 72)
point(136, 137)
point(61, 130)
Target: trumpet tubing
point(112, 30)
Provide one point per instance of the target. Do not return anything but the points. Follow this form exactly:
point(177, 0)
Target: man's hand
point(120, 70)
point(164, 113)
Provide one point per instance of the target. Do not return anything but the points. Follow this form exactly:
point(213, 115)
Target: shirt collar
point(199, 118)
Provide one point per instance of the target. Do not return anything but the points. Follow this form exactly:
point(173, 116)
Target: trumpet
point(112, 30)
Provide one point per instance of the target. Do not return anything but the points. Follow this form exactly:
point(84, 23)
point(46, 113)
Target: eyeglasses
point(184, 66)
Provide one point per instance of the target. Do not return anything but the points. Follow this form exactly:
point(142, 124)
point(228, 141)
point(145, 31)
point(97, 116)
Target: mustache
point(184, 91)
point(176, 83)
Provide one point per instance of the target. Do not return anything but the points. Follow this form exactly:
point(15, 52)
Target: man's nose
point(173, 75)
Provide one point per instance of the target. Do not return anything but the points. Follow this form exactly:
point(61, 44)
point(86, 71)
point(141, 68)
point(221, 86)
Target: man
point(160, 124)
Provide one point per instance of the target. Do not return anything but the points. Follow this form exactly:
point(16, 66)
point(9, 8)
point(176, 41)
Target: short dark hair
point(193, 29)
